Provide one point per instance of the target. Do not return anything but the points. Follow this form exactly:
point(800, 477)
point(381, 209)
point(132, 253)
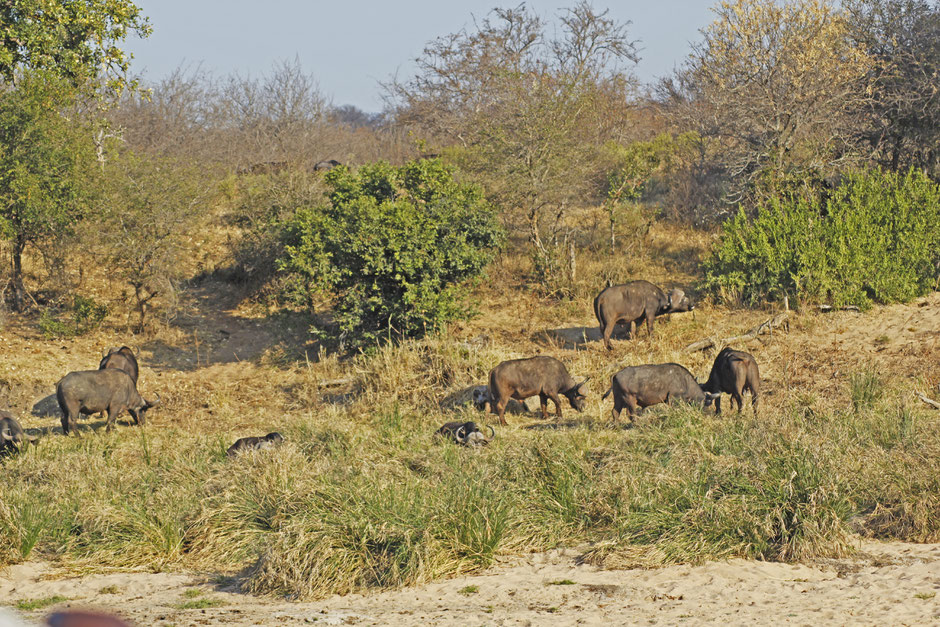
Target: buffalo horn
point(7, 435)
point(492, 433)
point(461, 434)
point(154, 403)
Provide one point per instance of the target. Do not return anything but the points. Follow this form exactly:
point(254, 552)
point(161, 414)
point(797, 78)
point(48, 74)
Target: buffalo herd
point(112, 388)
point(634, 387)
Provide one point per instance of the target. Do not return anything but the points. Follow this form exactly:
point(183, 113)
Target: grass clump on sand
point(31, 605)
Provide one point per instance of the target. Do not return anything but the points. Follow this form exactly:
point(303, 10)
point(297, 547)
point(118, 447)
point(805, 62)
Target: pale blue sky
point(350, 46)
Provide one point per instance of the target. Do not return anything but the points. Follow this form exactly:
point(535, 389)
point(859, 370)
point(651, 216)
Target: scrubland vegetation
point(353, 310)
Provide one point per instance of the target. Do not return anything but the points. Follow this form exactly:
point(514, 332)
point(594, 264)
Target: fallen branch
point(845, 308)
point(764, 327)
point(332, 383)
point(930, 402)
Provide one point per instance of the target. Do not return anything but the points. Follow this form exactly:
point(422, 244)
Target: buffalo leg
point(718, 405)
point(543, 404)
point(618, 407)
point(630, 402)
point(557, 402)
point(608, 330)
point(649, 322)
point(69, 423)
point(112, 416)
point(739, 399)
point(501, 410)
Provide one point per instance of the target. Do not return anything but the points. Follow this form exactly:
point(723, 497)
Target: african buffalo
point(633, 302)
point(255, 443)
point(325, 166)
point(642, 386)
point(11, 434)
point(93, 391)
point(732, 373)
point(465, 433)
point(121, 358)
point(522, 378)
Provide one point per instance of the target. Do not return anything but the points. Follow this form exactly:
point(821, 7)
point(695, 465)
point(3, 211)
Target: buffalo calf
point(732, 373)
point(522, 378)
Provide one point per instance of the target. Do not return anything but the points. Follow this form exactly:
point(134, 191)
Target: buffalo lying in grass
point(255, 443)
point(465, 433)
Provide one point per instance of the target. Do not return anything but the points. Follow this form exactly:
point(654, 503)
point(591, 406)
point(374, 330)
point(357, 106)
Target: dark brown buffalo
point(255, 443)
point(522, 378)
point(11, 434)
point(121, 358)
point(634, 302)
point(642, 386)
point(464, 433)
point(326, 166)
point(732, 373)
point(93, 391)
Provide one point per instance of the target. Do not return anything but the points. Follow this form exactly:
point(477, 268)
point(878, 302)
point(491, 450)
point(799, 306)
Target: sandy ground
point(886, 584)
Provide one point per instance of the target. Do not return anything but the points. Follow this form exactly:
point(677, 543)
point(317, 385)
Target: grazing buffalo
point(255, 443)
point(732, 373)
point(93, 391)
point(326, 166)
point(522, 378)
point(11, 434)
point(465, 433)
point(642, 386)
point(632, 303)
point(121, 358)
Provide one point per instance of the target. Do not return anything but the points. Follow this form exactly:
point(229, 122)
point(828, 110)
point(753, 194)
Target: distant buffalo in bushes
point(326, 166)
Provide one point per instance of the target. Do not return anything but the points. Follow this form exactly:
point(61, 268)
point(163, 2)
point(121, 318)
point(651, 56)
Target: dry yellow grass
point(360, 496)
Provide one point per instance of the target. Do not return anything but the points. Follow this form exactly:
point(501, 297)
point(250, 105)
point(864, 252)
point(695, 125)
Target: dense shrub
point(876, 238)
point(394, 245)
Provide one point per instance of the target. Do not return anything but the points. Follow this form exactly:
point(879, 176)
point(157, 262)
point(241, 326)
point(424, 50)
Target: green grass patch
point(561, 582)
point(468, 590)
point(31, 605)
point(198, 604)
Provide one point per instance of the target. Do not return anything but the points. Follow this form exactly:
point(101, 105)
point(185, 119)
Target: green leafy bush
point(876, 238)
point(83, 316)
point(395, 246)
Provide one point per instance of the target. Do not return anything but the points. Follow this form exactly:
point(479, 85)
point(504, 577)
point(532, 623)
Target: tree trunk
point(18, 289)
